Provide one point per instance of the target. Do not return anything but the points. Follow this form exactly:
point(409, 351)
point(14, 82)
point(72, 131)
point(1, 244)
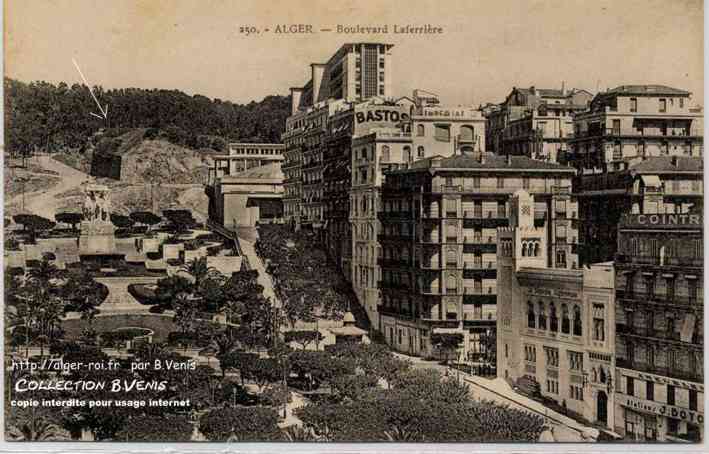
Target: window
point(565, 321)
point(670, 285)
point(692, 290)
point(577, 321)
point(649, 390)
point(385, 153)
point(692, 396)
point(630, 386)
point(681, 102)
point(381, 63)
point(531, 319)
point(466, 133)
point(575, 361)
point(525, 182)
point(530, 353)
point(542, 316)
point(407, 154)
point(576, 392)
point(500, 183)
point(552, 386)
point(553, 320)
point(560, 259)
point(599, 332)
point(633, 104)
point(420, 152)
point(670, 395)
point(442, 133)
point(552, 355)
point(476, 182)
point(420, 130)
point(663, 105)
point(616, 127)
point(650, 286)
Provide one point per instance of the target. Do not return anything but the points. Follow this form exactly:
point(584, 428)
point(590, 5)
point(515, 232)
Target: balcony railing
point(695, 375)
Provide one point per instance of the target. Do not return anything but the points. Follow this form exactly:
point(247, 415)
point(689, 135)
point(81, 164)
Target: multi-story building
point(439, 221)
point(667, 184)
point(631, 123)
point(446, 130)
point(534, 122)
point(554, 326)
point(660, 324)
point(244, 156)
point(356, 72)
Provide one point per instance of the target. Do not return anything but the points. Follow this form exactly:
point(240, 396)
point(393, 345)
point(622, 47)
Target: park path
point(44, 203)
point(264, 279)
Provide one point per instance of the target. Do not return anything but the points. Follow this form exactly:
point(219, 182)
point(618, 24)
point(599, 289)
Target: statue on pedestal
point(97, 230)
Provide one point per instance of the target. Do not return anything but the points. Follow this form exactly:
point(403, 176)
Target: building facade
point(534, 122)
point(243, 156)
point(630, 123)
point(659, 336)
point(663, 184)
point(438, 238)
point(555, 327)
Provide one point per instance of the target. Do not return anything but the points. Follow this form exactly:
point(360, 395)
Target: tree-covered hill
point(40, 115)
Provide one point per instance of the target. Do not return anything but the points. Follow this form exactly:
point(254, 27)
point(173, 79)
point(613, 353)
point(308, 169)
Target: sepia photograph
point(354, 222)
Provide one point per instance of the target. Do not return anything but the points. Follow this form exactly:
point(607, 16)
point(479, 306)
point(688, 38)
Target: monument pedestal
point(97, 238)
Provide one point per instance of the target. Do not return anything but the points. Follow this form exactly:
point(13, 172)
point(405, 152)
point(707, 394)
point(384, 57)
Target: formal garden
point(250, 372)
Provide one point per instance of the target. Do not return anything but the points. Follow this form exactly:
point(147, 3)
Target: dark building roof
point(489, 161)
point(647, 90)
point(669, 164)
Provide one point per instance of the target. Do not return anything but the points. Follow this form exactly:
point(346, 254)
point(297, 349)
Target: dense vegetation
point(41, 115)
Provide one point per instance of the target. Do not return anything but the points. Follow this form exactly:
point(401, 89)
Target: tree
point(153, 428)
point(237, 360)
point(303, 338)
point(168, 288)
point(240, 423)
point(200, 271)
point(446, 343)
point(33, 424)
point(318, 366)
point(262, 371)
point(185, 311)
point(33, 224)
point(121, 221)
point(73, 219)
point(145, 218)
point(181, 220)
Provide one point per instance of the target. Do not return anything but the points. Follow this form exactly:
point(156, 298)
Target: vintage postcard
point(348, 221)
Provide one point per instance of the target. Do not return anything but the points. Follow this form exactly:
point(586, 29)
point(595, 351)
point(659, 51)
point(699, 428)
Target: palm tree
point(299, 433)
point(31, 425)
point(399, 434)
point(185, 311)
point(199, 270)
point(43, 273)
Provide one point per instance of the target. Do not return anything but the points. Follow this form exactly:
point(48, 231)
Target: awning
point(652, 181)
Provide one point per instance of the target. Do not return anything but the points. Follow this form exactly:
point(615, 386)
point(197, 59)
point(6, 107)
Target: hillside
point(54, 118)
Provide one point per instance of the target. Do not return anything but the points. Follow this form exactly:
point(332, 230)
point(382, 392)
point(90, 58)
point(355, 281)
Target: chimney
point(317, 70)
point(563, 88)
point(295, 95)
point(533, 90)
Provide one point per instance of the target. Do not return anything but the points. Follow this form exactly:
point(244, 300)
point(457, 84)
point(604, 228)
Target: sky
point(486, 48)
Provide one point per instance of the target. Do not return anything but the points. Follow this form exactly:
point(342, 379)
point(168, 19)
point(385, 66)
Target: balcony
point(397, 238)
point(695, 376)
point(394, 285)
point(638, 133)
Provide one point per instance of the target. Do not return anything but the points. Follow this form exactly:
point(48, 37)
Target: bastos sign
point(664, 220)
point(368, 117)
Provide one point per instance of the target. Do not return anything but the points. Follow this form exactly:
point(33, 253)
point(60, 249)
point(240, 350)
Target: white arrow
point(104, 113)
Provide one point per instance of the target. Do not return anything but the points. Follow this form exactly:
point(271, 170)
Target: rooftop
point(668, 164)
point(644, 90)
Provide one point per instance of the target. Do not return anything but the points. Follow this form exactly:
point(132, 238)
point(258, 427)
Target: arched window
point(452, 283)
point(407, 154)
point(421, 152)
point(536, 249)
point(385, 153)
point(530, 315)
point(602, 376)
point(524, 249)
point(467, 133)
point(565, 322)
point(553, 319)
point(542, 316)
point(364, 205)
point(577, 321)
point(420, 130)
